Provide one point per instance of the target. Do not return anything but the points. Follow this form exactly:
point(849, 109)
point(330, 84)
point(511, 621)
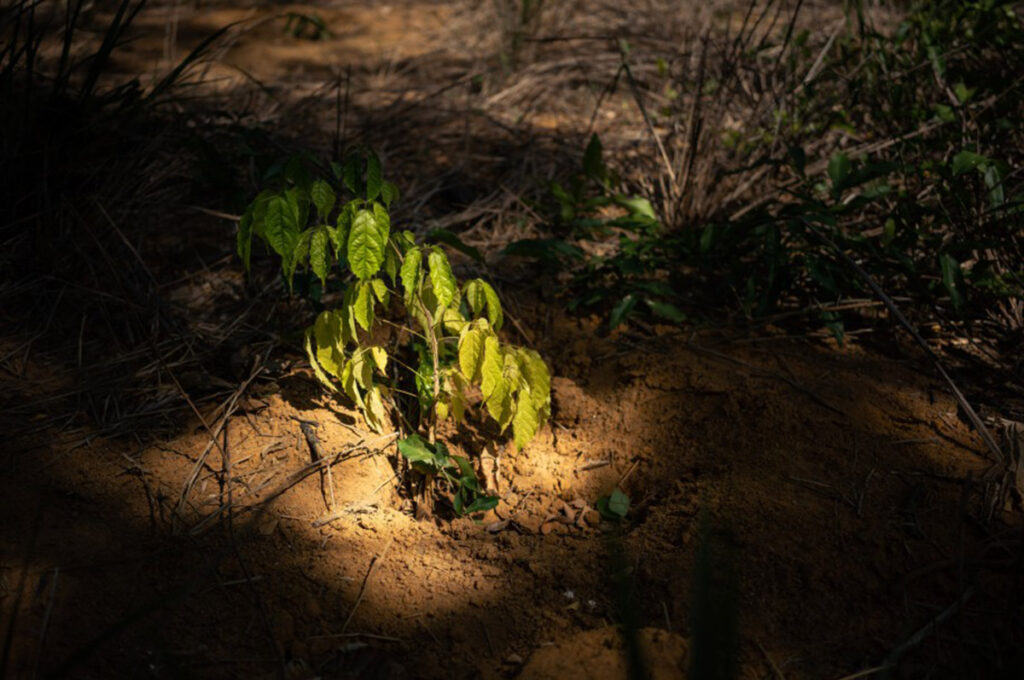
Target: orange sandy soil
point(832, 474)
point(846, 536)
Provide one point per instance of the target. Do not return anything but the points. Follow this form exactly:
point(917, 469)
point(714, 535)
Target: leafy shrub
point(404, 323)
point(898, 147)
point(629, 278)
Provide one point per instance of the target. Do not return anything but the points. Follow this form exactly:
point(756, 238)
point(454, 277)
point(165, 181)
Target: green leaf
point(339, 237)
point(419, 452)
point(282, 226)
point(323, 198)
point(450, 238)
point(838, 170)
point(244, 241)
point(330, 343)
point(363, 306)
point(380, 291)
point(466, 472)
point(453, 321)
point(618, 503)
point(636, 205)
point(388, 193)
point(319, 258)
point(994, 182)
point(538, 378)
point(317, 370)
point(259, 213)
point(373, 177)
point(952, 279)
point(348, 382)
point(622, 310)
point(390, 263)
point(965, 161)
point(962, 92)
point(441, 278)
point(888, 232)
point(410, 272)
point(415, 448)
point(298, 255)
point(481, 504)
point(526, 422)
point(362, 368)
point(380, 213)
point(298, 200)
point(471, 353)
point(473, 292)
point(375, 413)
point(567, 206)
point(615, 506)
point(666, 311)
point(494, 313)
point(491, 366)
point(500, 404)
point(365, 247)
point(380, 359)
point(351, 172)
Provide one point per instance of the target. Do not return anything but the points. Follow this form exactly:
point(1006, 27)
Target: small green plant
point(434, 461)
point(404, 325)
point(614, 506)
point(627, 280)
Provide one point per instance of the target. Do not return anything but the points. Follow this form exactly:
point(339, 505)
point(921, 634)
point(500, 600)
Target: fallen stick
point(366, 580)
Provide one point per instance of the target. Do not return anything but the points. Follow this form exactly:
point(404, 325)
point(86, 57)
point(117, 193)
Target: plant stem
point(432, 338)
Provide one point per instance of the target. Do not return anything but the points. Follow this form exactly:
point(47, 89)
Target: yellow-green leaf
point(326, 332)
point(245, 237)
point(365, 245)
point(375, 412)
point(388, 193)
point(491, 366)
point(441, 278)
point(526, 422)
point(348, 382)
point(362, 308)
point(499, 405)
point(453, 321)
point(410, 272)
point(380, 290)
point(538, 379)
point(362, 369)
point(380, 359)
point(323, 198)
point(319, 259)
point(339, 236)
point(317, 371)
point(494, 313)
point(282, 225)
point(474, 292)
point(471, 353)
point(380, 213)
point(510, 372)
